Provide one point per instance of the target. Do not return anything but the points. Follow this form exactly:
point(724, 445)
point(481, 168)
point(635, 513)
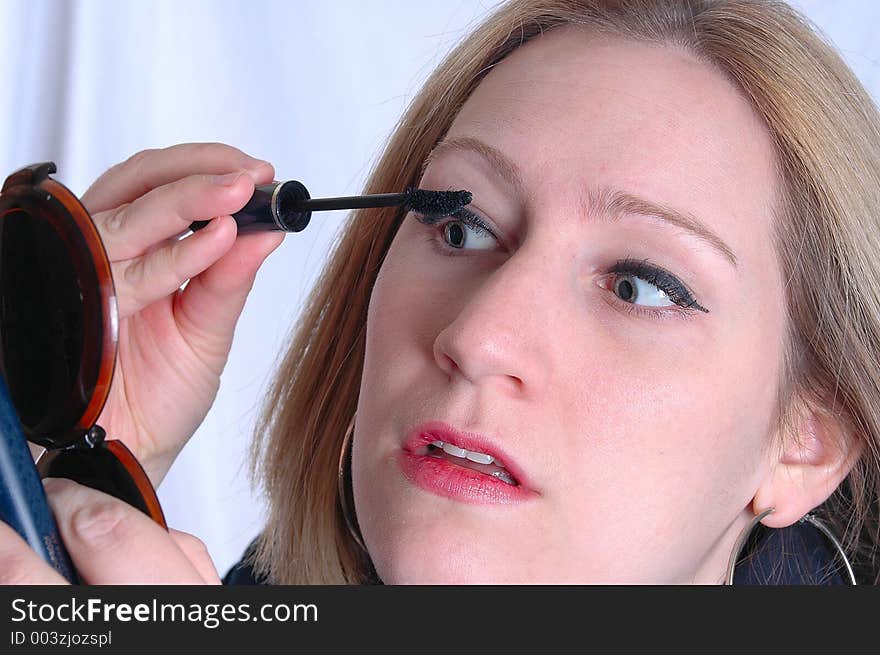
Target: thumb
point(111, 542)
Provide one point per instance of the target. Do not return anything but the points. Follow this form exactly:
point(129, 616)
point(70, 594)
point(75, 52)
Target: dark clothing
point(242, 572)
point(797, 555)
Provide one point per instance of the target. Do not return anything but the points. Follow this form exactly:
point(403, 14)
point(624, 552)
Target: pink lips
point(445, 478)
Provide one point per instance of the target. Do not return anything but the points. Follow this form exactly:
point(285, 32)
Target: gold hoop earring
point(345, 455)
point(809, 518)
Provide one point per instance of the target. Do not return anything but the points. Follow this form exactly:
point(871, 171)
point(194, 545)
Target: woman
point(664, 329)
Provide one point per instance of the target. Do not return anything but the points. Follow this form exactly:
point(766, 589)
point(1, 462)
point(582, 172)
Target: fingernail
point(50, 484)
point(213, 225)
point(255, 167)
point(227, 180)
point(252, 163)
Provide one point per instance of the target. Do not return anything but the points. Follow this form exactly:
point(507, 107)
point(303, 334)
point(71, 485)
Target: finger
point(197, 553)
point(130, 231)
point(19, 564)
point(212, 302)
point(111, 542)
point(150, 169)
point(144, 280)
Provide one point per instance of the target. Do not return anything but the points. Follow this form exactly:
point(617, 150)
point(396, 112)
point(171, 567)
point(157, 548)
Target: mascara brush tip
point(436, 204)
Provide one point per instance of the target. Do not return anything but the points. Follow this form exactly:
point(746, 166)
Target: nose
point(500, 333)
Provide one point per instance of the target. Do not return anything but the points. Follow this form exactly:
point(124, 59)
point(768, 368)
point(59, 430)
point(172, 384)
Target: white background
point(314, 86)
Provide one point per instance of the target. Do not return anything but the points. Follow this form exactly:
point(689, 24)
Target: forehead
point(578, 111)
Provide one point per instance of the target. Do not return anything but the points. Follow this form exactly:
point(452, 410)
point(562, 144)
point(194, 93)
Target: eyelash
point(675, 290)
point(461, 216)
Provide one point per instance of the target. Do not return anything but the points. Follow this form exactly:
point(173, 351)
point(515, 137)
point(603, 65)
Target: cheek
point(396, 307)
point(399, 337)
point(666, 439)
point(411, 301)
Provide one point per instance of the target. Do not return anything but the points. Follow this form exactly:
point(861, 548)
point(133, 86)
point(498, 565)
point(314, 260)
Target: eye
point(639, 283)
point(629, 288)
point(461, 235)
point(464, 231)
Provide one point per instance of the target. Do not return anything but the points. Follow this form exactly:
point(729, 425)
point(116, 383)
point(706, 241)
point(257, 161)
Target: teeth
point(474, 456)
point(502, 475)
point(455, 451)
point(479, 458)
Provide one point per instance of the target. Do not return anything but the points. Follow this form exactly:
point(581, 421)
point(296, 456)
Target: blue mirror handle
point(23, 503)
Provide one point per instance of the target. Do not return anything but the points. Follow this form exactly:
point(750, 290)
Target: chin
point(436, 557)
point(449, 572)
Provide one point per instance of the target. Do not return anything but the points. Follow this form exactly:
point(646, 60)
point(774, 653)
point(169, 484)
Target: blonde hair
point(827, 136)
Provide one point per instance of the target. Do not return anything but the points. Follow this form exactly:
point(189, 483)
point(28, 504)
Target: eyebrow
point(607, 202)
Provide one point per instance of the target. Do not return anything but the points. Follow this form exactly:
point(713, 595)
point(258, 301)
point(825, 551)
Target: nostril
point(441, 356)
point(473, 359)
point(449, 365)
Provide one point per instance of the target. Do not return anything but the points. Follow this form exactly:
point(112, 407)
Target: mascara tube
point(287, 206)
point(23, 503)
point(275, 207)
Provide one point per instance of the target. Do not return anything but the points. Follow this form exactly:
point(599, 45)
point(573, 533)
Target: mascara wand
point(287, 206)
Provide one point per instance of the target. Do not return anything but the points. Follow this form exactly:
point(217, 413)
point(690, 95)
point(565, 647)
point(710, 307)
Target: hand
point(173, 343)
point(109, 542)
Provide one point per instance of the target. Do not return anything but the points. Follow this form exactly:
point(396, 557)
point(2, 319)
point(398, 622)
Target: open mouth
point(469, 459)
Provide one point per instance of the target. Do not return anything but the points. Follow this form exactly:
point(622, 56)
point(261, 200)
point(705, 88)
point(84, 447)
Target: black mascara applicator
point(287, 206)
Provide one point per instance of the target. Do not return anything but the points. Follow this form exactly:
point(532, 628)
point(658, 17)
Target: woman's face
point(634, 427)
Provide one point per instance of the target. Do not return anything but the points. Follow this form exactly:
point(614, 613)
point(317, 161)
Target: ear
point(806, 469)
